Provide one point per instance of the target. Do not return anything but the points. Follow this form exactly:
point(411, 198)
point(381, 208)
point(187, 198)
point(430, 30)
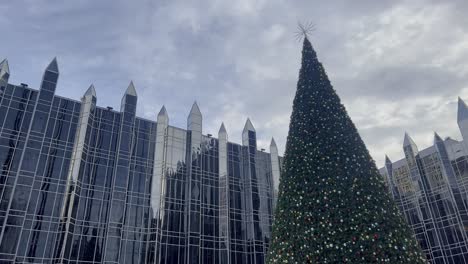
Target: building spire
point(129, 100)
point(222, 129)
point(248, 126)
point(387, 160)
point(222, 133)
point(408, 140)
point(131, 89)
point(163, 112)
point(195, 109)
point(163, 117)
point(437, 138)
point(246, 136)
point(462, 119)
point(50, 77)
point(4, 70)
point(53, 66)
point(275, 168)
point(409, 145)
point(273, 143)
point(462, 113)
point(195, 119)
point(91, 91)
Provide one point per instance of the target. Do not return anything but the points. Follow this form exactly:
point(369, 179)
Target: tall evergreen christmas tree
point(333, 206)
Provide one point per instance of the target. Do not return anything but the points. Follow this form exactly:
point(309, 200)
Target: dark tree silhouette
point(333, 206)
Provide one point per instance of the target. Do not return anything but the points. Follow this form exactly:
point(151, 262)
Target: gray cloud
point(398, 82)
point(398, 65)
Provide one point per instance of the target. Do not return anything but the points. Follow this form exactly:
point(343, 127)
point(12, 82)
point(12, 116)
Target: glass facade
point(431, 189)
point(85, 184)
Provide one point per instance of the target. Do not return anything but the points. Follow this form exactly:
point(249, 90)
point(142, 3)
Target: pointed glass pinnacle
point(91, 91)
point(272, 143)
point(408, 140)
point(248, 126)
point(131, 89)
point(437, 138)
point(222, 133)
point(195, 109)
point(53, 66)
point(460, 101)
point(163, 117)
point(195, 119)
point(462, 113)
point(162, 112)
point(387, 160)
point(222, 129)
point(4, 70)
point(4, 67)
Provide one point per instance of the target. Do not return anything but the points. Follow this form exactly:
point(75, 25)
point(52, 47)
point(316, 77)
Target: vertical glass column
point(392, 188)
point(14, 134)
point(121, 175)
point(418, 212)
point(462, 121)
point(237, 211)
point(224, 256)
point(20, 196)
point(254, 234)
point(275, 170)
point(158, 182)
point(454, 197)
point(4, 74)
point(82, 135)
point(88, 105)
point(193, 187)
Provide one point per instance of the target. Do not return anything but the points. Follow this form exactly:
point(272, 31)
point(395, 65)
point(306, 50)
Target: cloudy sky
point(398, 65)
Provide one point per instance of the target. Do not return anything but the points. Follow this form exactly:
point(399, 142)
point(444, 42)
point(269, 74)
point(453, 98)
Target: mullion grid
point(51, 181)
point(20, 170)
point(19, 135)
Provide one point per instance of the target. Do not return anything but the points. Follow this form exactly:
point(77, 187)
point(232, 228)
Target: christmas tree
point(333, 206)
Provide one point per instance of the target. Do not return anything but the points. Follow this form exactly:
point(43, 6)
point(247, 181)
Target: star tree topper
point(303, 30)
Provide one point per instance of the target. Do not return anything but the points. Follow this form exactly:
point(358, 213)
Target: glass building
point(430, 187)
point(84, 184)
